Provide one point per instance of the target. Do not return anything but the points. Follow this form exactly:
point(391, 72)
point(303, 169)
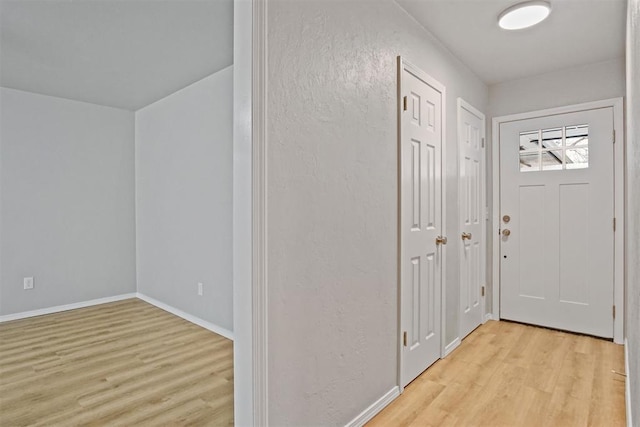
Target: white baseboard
point(451, 346)
point(66, 307)
point(188, 317)
point(59, 308)
point(487, 317)
point(375, 408)
point(627, 384)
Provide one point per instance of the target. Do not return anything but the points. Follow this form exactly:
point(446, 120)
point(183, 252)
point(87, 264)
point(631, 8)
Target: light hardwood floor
point(126, 363)
point(508, 374)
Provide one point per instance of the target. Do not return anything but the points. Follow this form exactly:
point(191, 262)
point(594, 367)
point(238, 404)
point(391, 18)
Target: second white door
point(471, 207)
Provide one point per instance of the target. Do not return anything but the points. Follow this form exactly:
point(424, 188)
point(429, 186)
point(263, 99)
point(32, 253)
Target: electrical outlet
point(200, 289)
point(28, 282)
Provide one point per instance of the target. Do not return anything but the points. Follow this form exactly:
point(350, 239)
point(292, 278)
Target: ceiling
point(130, 53)
point(118, 53)
point(577, 32)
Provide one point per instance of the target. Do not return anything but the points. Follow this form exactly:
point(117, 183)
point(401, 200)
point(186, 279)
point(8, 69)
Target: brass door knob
point(440, 240)
point(506, 232)
point(466, 236)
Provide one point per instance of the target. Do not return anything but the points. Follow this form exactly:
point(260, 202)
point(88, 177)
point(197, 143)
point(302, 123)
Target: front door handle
point(440, 240)
point(506, 232)
point(466, 236)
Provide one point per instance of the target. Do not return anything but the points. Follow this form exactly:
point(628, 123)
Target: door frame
point(403, 64)
point(250, 346)
point(617, 105)
point(483, 201)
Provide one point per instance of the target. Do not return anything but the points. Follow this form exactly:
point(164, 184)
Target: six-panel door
point(471, 216)
point(421, 200)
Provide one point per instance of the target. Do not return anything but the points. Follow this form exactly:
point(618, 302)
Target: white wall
point(67, 197)
point(332, 200)
point(592, 82)
point(184, 184)
point(633, 206)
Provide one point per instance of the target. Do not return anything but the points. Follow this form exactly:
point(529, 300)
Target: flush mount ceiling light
point(524, 15)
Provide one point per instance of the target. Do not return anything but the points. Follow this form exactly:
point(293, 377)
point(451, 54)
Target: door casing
point(403, 64)
point(619, 191)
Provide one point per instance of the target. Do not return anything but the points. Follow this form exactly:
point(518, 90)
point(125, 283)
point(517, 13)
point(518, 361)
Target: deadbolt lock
point(440, 240)
point(506, 218)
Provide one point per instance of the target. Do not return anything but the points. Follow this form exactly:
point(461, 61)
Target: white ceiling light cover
point(524, 15)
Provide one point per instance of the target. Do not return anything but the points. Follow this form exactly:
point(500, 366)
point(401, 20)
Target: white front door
point(556, 221)
point(420, 220)
point(472, 219)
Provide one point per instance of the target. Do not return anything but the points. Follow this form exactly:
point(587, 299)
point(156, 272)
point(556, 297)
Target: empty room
point(320, 213)
point(116, 158)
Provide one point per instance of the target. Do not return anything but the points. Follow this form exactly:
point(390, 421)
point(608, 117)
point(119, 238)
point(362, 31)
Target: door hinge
point(614, 311)
point(482, 291)
point(404, 338)
point(614, 136)
point(482, 142)
point(614, 224)
point(404, 104)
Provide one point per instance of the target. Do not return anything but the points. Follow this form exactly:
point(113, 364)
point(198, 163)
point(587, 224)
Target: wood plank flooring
point(508, 374)
point(126, 363)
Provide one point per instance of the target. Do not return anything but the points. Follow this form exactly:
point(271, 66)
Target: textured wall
point(591, 82)
point(184, 207)
point(66, 190)
point(332, 200)
point(633, 204)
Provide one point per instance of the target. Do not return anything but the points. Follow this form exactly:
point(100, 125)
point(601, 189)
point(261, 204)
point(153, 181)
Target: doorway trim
point(403, 64)
point(250, 326)
point(617, 105)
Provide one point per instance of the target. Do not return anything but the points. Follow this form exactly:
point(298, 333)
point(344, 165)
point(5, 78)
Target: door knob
point(506, 232)
point(440, 240)
point(466, 236)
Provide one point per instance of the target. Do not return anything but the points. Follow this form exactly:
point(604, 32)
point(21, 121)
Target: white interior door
point(557, 210)
point(471, 172)
point(420, 220)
